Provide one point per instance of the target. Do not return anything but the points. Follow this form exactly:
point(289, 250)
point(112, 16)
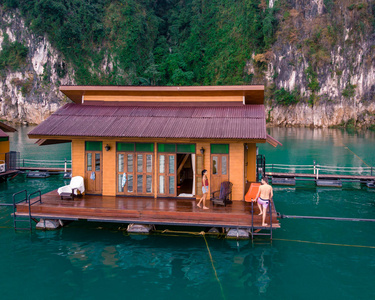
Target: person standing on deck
point(264, 197)
point(204, 190)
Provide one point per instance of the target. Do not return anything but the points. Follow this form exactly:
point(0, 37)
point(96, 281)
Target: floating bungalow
point(141, 152)
point(6, 159)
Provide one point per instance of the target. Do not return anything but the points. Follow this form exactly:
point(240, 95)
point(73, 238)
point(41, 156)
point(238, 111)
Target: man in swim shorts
point(264, 197)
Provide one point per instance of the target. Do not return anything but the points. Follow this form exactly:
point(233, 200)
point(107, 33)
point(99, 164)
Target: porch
point(146, 210)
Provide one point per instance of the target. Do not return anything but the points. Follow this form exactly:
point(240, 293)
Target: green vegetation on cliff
point(146, 42)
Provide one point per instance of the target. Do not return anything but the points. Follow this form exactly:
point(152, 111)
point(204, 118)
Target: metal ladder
point(25, 198)
point(264, 228)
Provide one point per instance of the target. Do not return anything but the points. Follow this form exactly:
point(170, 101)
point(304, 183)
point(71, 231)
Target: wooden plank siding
point(179, 99)
point(236, 170)
point(109, 167)
point(251, 162)
point(4, 148)
point(78, 157)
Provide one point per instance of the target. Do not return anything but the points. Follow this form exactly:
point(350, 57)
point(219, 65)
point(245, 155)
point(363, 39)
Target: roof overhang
point(6, 128)
point(252, 94)
point(45, 142)
point(272, 141)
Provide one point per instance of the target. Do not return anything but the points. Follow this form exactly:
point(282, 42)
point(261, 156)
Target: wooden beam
point(182, 163)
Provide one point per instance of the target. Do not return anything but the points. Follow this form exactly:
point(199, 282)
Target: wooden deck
point(139, 210)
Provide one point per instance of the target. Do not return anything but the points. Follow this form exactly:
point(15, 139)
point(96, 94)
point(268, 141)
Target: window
point(219, 148)
point(93, 146)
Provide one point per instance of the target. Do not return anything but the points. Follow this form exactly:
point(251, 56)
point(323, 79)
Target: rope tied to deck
point(328, 244)
point(212, 263)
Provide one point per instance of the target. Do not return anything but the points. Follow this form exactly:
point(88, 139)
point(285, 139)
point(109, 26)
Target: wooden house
point(141, 152)
point(159, 138)
point(4, 144)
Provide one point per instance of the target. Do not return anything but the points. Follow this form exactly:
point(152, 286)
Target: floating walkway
point(322, 175)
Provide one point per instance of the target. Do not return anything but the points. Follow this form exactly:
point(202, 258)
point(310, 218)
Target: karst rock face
point(30, 93)
point(323, 56)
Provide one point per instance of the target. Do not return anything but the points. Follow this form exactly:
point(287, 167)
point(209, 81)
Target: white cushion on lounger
point(75, 183)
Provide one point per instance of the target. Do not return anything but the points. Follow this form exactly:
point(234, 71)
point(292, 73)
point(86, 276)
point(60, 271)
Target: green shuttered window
point(144, 147)
point(219, 148)
point(180, 148)
point(125, 147)
point(5, 138)
point(93, 146)
point(186, 148)
point(167, 148)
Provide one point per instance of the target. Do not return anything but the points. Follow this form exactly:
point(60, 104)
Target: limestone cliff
point(29, 93)
point(319, 71)
point(324, 58)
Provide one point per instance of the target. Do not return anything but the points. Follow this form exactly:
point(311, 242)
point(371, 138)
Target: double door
point(134, 173)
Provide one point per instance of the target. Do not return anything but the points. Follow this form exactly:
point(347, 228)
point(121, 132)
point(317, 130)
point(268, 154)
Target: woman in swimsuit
point(204, 190)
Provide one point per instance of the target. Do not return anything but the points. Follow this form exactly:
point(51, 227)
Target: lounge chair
point(222, 197)
point(252, 192)
point(69, 191)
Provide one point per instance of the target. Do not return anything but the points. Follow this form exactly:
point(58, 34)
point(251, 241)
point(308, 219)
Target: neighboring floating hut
point(4, 146)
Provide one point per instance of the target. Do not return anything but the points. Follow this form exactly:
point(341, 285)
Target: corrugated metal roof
point(237, 122)
point(3, 134)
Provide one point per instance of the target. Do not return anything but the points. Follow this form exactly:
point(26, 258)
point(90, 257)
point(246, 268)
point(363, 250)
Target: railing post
point(317, 173)
point(272, 168)
point(65, 166)
point(371, 171)
point(314, 167)
point(23, 162)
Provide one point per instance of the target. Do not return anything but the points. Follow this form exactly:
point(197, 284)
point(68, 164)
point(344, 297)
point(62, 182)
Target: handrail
point(38, 200)
point(319, 168)
point(15, 204)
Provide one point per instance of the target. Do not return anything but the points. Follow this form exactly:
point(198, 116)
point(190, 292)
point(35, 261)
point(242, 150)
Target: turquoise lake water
point(308, 259)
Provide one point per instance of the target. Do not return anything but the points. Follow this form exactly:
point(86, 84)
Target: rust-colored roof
point(6, 127)
point(237, 122)
point(272, 141)
point(3, 134)
point(254, 94)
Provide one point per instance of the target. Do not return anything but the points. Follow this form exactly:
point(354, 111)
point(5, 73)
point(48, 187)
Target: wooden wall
point(78, 158)
point(237, 166)
point(109, 173)
point(135, 98)
point(251, 162)
point(236, 170)
point(4, 148)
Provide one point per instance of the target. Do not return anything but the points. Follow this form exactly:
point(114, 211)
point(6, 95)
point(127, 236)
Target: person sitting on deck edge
point(264, 197)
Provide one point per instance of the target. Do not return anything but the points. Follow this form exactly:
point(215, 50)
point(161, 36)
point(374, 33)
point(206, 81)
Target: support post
point(314, 168)
point(65, 166)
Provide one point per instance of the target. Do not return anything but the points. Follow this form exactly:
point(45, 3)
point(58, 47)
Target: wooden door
point(219, 170)
point(167, 184)
point(138, 169)
point(93, 176)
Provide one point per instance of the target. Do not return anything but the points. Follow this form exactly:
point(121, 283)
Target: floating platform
point(149, 211)
point(5, 175)
point(284, 181)
point(34, 174)
point(329, 183)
